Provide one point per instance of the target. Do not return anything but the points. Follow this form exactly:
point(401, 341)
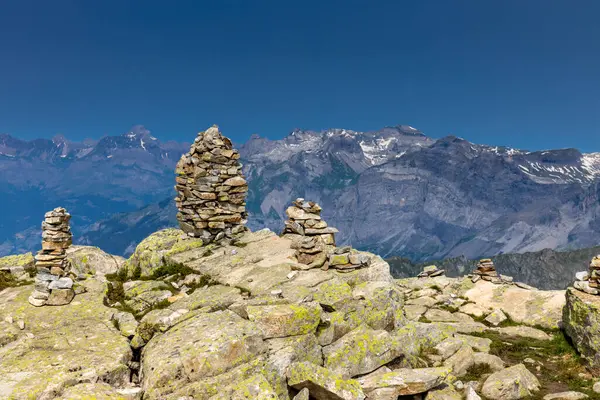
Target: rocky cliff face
point(393, 191)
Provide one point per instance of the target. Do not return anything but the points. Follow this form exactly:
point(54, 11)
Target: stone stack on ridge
point(304, 218)
point(486, 271)
point(52, 286)
point(431, 271)
point(589, 281)
point(346, 259)
point(211, 188)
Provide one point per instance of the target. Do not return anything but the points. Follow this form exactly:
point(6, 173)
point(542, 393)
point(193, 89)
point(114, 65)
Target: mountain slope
point(393, 191)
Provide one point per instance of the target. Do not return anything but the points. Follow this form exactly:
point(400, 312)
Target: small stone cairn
point(52, 286)
point(431, 271)
point(486, 271)
point(211, 188)
point(589, 281)
point(317, 248)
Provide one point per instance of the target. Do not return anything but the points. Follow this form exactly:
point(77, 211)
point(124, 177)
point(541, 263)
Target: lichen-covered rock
point(285, 351)
point(126, 323)
point(16, 269)
point(523, 332)
point(443, 392)
point(285, 319)
point(253, 388)
point(511, 383)
point(361, 351)
point(89, 391)
point(581, 321)
point(461, 361)
point(60, 347)
point(402, 382)
point(89, 260)
point(529, 307)
point(151, 257)
point(205, 346)
point(322, 383)
point(216, 297)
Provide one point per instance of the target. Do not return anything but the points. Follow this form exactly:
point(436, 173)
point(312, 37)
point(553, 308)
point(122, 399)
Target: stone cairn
point(211, 188)
point(317, 248)
point(431, 271)
point(486, 271)
point(589, 281)
point(52, 286)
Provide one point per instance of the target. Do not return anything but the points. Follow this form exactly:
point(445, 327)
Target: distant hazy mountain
point(393, 191)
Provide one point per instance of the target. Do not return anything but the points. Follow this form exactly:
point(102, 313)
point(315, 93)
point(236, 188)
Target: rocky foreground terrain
point(183, 320)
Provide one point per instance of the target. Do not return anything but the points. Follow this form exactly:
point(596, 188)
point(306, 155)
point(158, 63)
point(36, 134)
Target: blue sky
point(518, 73)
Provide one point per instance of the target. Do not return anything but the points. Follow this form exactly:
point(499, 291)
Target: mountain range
point(393, 191)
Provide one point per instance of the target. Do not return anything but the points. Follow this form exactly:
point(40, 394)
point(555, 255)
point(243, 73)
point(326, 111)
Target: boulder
point(528, 307)
point(443, 392)
point(581, 321)
point(402, 382)
point(494, 362)
point(285, 319)
point(152, 256)
point(496, 317)
point(511, 383)
point(89, 260)
point(302, 395)
point(196, 349)
point(461, 361)
point(253, 388)
point(361, 351)
point(322, 383)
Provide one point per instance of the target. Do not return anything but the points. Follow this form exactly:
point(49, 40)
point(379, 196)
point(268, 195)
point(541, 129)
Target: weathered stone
point(461, 361)
point(566, 396)
point(361, 351)
point(512, 383)
point(443, 392)
point(302, 395)
point(255, 387)
point(402, 382)
point(322, 383)
point(198, 348)
point(496, 317)
point(285, 319)
point(524, 332)
point(494, 362)
point(581, 319)
point(62, 283)
point(60, 297)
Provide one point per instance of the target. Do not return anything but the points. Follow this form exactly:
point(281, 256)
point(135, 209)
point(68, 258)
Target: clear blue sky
point(522, 73)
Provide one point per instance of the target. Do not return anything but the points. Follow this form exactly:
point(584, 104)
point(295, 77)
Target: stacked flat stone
point(431, 271)
point(486, 271)
point(52, 286)
point(304, 218)
point(346, 259)
point(211, 188)
point(311, 251)
point(589, 281)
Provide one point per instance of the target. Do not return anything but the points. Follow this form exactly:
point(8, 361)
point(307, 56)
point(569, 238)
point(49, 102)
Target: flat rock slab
point(529, 307)
point(285, 319)
point(322, 383)
point(402, 382)
point(60, 346)
point(198, 348)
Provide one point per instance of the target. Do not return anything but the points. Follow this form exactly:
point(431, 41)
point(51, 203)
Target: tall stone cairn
point(211, 188)
point(52, 286)
point(589, 281)
point(486, 271)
